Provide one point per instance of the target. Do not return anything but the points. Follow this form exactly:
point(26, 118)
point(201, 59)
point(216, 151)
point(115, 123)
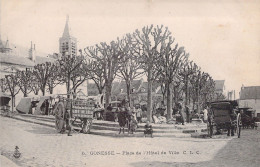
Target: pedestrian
point(205, 115)
point(122, 116)
point(109, 108)
point(139, 114)
point(181, 111)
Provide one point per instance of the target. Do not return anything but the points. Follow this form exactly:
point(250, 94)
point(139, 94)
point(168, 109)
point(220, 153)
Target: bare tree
point(35, 86)
point(68, 67)
point(129, 67)
point(12, 83)
point(169, 63)
point(24, 79)
point(108, 56)
point(78, 77)
point(42, 73)
point(96, 73)
point(149, 40)
point(53, 77)
point(201, 86)
point(185, 74)
point(208, 89)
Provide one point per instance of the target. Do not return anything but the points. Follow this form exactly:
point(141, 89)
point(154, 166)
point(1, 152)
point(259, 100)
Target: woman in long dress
point(122, 116)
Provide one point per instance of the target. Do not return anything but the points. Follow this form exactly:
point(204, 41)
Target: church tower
point(68, 43)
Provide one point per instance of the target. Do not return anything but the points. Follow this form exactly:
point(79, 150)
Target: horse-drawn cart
point(224, 116)
point(70, 109)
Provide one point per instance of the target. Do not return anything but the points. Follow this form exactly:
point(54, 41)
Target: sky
point(222, 36)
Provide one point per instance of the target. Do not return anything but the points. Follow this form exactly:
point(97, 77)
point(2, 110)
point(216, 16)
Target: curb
point(184, 133)
point(34, 122)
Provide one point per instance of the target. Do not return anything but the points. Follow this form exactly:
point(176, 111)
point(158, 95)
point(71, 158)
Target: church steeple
point(68, 43)
point(67, 31)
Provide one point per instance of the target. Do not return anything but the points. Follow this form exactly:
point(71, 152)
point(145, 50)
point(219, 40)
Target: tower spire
point(68, 43)
point(66, 32)
point(67, 18)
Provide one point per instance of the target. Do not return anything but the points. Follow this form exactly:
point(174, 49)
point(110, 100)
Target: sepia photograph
point(129, 83)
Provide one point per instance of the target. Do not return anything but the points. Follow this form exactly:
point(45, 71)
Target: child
point(148, 129)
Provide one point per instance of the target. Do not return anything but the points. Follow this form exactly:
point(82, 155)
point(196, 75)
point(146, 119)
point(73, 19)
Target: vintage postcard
point(122, 83)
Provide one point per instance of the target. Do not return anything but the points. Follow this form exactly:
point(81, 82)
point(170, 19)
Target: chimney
point(32, 55)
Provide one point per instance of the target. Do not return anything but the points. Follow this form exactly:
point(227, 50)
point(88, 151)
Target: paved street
point(42, 146)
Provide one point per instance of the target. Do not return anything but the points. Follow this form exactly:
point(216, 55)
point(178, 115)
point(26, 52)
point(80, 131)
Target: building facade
point(250, 97)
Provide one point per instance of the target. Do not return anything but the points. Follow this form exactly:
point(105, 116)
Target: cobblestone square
point(42, 146)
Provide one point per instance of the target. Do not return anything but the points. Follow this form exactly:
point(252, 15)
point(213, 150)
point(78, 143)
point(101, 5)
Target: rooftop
point(219, 84)
point(250, 92)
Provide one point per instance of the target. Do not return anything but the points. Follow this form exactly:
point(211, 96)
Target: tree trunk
point(25, 94)
point(108, 94)
point(149, 97)
point(198, 101)
point(164, 93)
point(68, 86)
point(186, 90)
point(13, 103)
point(51, 90)
point(128, 90)
point(43, 91)
point(175, 94)
point(14, 100)
point(169, 101)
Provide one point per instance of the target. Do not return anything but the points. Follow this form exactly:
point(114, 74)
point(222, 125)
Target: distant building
point(13, 57)
point(220, 89)
point(138, 91)
point(19, 58)
point(250, 97)
point(68, 43)
point(219, 86)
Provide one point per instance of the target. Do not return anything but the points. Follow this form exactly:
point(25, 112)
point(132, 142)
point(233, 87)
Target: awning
point(41, 102)
point(24, 105)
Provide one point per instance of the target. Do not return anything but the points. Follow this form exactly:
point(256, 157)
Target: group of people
point(127, 117)
point(182, 112)
point(130, 118)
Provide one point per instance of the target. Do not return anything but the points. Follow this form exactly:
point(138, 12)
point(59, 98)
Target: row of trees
point(151, 51)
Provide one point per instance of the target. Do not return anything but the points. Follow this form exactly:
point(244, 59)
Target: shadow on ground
point(49, 131)
point(239, 152)
point(42, 130)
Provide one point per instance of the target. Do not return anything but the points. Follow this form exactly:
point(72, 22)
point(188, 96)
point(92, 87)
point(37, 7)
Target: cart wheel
point(86, 125)
point(239, 124)
point(59, 117)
